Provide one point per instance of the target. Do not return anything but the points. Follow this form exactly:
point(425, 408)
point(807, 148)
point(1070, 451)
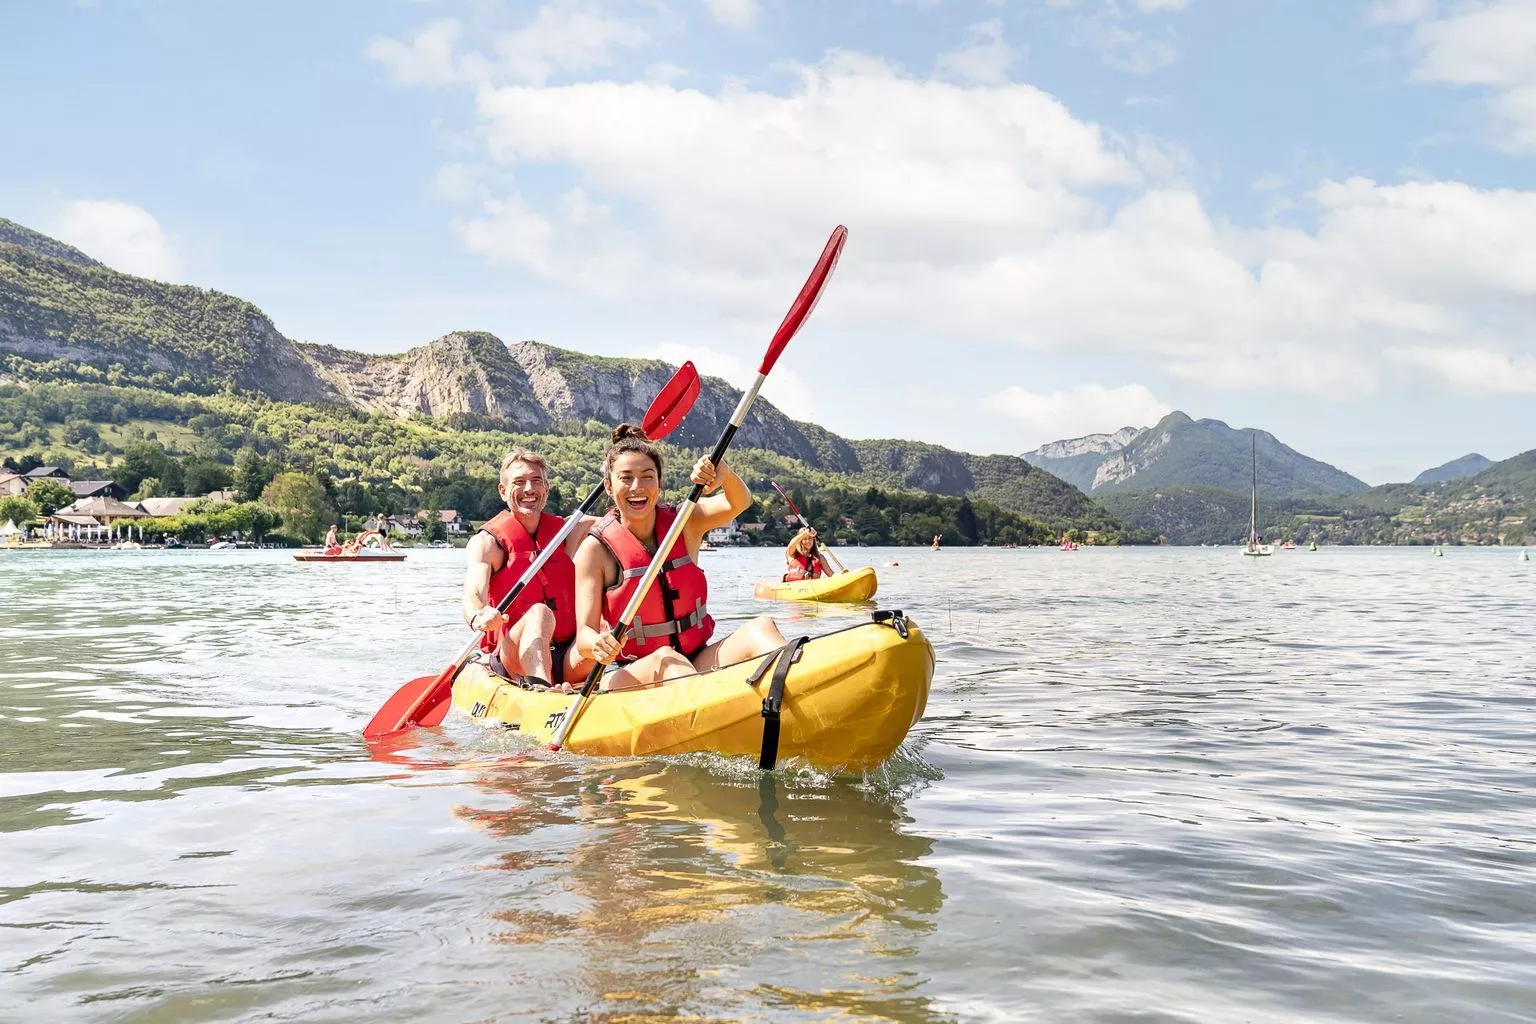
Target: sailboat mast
point(1253, 512)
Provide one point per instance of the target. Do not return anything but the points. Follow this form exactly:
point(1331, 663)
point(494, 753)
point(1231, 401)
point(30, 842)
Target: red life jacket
point(674, 612)
point(553, 585)
point(806, 567)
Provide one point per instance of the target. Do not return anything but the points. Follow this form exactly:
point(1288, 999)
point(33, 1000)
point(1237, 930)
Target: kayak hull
point(848, 703)
point(349, 559)
point(854, 585)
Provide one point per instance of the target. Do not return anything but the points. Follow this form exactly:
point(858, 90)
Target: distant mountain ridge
point(1181, 451)
point(1496, 506)
point(1456, 469)
point(62, 313)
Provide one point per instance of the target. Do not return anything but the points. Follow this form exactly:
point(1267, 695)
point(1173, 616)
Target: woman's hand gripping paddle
point(804, 303)
point(821, 549)
point(424, 701)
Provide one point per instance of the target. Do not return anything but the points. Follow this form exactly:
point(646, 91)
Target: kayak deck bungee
point(848, 701)
point(854, 585)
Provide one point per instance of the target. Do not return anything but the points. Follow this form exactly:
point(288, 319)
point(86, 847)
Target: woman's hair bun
point(624, 431)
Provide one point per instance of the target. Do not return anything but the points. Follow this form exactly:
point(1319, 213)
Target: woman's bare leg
point(654, 667)
point(757, 637)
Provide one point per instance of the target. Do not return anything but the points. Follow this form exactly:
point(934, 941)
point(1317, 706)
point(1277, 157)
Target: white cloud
point(562, 36)
point(428, 59)
point(987, 213)
point(124, 236)
point(986, 57)
point(1474, 370)
point(737, 14)
point(1129, 50)
point(1399, 12)
point(1085, 409)
point(1152, 6)
point(1491, 45)
point(786, 389)
point(566, 35)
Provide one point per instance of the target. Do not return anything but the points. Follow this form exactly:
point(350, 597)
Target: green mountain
point(1496, 506)
point(66, 319)
point(1184, 451)
point(1467, 465)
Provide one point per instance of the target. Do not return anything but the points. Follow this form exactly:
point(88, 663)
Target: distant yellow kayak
point(848, 702)
point(853, 585)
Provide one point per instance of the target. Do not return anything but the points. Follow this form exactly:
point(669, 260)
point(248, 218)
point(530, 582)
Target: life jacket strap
point(637, 572)
point(640, 631)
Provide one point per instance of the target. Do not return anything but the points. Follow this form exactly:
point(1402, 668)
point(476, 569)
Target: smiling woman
point(672, 636)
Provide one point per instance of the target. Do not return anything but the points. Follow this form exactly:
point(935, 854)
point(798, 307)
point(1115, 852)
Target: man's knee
point(537, 621)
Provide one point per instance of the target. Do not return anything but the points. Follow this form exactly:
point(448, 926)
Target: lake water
point(1151, 785)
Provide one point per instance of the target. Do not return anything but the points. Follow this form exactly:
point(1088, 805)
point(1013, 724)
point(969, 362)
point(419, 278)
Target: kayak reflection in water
point(672, 636)
point(801, 557)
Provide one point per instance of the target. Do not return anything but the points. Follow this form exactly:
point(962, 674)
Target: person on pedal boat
point(801, 558)
point(673, 635)
point(535, 638)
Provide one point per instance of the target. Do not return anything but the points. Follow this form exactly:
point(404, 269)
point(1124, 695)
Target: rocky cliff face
point(1089, 444)
point(462, 372)
point(56, 303)
point(1179, 450)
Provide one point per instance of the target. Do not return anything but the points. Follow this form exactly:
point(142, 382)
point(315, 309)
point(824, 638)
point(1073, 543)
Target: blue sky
point(1317, 218)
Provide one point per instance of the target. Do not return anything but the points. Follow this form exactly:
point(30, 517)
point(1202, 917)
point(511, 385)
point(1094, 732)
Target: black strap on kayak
point(782, 658)
point(894, 619)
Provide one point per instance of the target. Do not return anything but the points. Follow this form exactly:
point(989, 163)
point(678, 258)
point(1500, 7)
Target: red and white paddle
point(804, 303)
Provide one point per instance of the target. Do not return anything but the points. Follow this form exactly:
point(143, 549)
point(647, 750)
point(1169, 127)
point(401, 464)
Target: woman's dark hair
point(629, 438)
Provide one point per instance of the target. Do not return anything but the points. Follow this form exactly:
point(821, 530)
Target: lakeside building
point(97, 520)
point(453, 521)
point(97, 489)
point(728, 535)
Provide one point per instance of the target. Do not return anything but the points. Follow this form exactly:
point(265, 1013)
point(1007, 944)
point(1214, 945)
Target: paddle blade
point(806, 300)
point(672, 404)
point(411, 704)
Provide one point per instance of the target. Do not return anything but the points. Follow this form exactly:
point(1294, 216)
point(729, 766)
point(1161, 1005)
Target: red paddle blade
point(406, 707)
point(806, 300)
point(673, 403)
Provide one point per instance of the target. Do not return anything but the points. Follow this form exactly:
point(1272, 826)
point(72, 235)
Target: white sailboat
point(1254, 547)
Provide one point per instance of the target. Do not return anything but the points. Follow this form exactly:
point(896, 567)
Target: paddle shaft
point(821, 548)
point(653, 570)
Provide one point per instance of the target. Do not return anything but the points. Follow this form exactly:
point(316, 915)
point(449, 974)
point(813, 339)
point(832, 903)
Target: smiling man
point(532, 641)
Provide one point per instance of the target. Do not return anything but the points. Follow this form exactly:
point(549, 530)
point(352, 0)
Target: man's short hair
point(523, 455)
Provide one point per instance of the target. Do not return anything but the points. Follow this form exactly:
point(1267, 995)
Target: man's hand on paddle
point(487, 619)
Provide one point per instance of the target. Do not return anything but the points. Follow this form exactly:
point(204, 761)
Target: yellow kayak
point(853, 585)
point(847, 703)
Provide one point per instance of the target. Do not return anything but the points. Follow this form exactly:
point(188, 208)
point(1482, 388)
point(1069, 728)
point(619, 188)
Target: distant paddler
point(800, 557)
point(332, 545)
point(806, 557)
point(534, 641)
